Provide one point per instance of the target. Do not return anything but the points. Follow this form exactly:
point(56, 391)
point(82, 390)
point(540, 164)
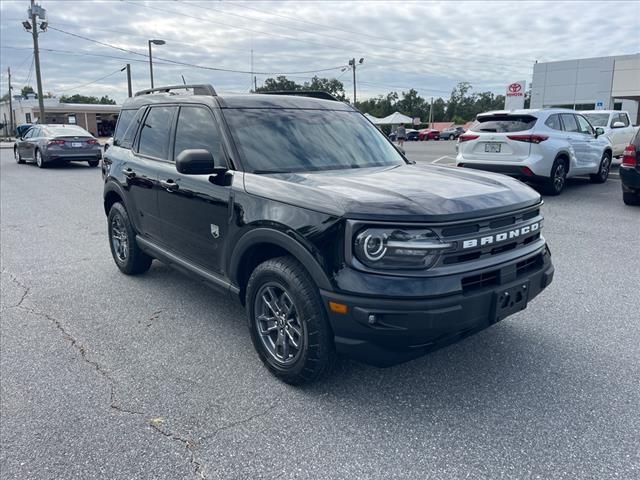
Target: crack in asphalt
point(244, 420)
point(74, 343)
point(26, 289)
point(189, 445)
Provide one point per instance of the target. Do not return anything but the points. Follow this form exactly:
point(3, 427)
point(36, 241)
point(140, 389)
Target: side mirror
point(195, 162)
point(617, 125)
point(599, 131)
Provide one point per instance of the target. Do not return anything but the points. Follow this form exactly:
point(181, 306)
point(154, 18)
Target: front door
point(578, 142)
point(195, 211)
point(592, 159)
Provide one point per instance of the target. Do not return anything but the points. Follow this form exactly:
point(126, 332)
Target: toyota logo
point(515, 87)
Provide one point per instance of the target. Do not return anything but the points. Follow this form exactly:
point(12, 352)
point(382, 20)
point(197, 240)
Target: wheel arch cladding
point(262, 244)
point(112, 196)
point(566, 157)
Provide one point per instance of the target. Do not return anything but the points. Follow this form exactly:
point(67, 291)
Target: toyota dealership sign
point(514, 96)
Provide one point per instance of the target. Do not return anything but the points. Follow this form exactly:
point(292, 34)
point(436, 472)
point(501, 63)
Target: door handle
point(169, 185)
point(128, 172)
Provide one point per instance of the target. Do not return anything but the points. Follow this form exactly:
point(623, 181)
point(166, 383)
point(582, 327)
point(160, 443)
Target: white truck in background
point(616, 125)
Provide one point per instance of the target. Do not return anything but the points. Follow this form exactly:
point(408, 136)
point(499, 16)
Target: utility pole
point(352, 64)
point(251, 74)
point(128, 69)
point(11, 127)
point(34, 12)
point(431, 114)
point(255, 83)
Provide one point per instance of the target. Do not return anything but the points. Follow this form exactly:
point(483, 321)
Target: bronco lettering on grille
point(500, 237)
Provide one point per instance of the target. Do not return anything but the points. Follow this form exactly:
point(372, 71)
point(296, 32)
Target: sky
point(426, 45)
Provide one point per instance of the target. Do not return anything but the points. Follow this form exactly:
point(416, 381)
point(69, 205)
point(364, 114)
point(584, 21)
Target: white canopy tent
point(395, 118)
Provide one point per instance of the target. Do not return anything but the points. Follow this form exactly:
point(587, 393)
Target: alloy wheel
point(559, 177)
point(604, 168)
point(119, 238)
point(279, 327)
point(38, 158)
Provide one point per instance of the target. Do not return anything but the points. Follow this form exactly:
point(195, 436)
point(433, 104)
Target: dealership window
point(617, 106)
point(27, 118)
point(585, 106)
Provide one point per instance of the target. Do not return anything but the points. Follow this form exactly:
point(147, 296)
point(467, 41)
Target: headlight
point(391, 249)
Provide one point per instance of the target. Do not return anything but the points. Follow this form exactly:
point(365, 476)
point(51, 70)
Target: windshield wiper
point(265, 172)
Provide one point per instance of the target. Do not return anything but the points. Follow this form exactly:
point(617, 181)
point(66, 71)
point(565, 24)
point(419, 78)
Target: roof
point(395, 118)
point(241, 101)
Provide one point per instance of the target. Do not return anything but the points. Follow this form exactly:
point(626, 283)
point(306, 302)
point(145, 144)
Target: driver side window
point(585, 126)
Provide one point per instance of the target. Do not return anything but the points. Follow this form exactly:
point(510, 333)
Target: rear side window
point(504, 123)
point(554, 122)
point(197, 130)
point(124, 120)
point(130, 132)
point(154, 135)
point(570, 124)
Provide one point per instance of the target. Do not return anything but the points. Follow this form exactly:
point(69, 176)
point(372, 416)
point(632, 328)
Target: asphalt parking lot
point(115, 377)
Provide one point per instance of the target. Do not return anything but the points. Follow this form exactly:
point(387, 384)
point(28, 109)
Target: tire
point(557, 179)
point(129, 258)
point(17, 156)
point(284, 308)
point(603, 170)
point(94, 163)
point(630, 198)
point(452, 137)
point(39, 160)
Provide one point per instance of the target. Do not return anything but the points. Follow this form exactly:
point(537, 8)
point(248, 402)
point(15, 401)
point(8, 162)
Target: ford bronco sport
point(333, 241)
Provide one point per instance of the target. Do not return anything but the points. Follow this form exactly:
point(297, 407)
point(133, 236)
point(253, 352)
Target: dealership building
point(602, 83)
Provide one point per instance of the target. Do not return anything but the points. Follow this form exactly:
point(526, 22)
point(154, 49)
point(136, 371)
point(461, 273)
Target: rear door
point(493, 142)
point(620, 136)
point(195, 211)
point(141, 170)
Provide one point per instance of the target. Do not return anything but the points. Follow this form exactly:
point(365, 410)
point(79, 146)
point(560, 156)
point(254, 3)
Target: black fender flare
point(281, 239)
point(112, 186)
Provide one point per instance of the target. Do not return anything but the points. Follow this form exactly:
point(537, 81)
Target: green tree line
point(462, 105)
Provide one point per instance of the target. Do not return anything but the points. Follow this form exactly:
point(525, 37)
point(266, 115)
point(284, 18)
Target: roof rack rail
point(198, 89)
point(304, 93)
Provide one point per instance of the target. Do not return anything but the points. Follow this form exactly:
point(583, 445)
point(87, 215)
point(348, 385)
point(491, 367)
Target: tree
point(333, 86)
point(278, 84)
point(77, 98)
point(5, 97)
point(26, 90)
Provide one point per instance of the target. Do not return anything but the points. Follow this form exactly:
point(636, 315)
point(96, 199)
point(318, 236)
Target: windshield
point(288, 140)
point(597, 119)
point(69, 130)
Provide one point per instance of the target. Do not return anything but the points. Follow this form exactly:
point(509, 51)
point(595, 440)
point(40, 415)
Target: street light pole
point(128, 69)
point(155, 42)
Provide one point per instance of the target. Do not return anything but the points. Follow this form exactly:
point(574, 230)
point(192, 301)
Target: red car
point(429, 134)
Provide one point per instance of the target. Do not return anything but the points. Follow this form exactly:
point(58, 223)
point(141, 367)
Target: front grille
point(529, 264)
point(482, 280)
point(488, 236)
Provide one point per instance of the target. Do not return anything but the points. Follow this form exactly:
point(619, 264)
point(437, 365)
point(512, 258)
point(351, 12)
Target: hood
point(406, 192)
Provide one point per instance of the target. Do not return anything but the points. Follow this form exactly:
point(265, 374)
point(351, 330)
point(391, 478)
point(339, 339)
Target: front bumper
point(388, 331)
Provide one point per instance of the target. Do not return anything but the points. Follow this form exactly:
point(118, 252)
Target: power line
point(204, 67)
point(91, 82)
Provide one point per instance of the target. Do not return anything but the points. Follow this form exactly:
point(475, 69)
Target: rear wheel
point(451, 137)
point(558, 179)
point(39, 159)
point(94, 163)
point(17, 156)
point(603, 170)
point(288, 323)
point(630, 198)
point(128, 256)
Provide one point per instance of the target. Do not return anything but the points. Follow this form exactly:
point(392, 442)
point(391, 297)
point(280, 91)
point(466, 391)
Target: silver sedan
point(45, 144)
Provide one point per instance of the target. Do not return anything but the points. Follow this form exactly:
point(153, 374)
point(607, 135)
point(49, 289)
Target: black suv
point(333, 241)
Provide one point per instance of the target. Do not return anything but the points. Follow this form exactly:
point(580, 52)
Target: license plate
point(510, 301)
point(492, 147)
point(76, 144)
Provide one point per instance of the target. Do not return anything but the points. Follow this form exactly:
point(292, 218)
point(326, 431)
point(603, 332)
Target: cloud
point(429, 46)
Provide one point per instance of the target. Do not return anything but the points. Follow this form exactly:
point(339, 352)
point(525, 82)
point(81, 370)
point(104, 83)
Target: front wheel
point(603, 170)
point(558, 178)
point(451, 137)
point(288, 323)
point(128, 256)
point(17, 156)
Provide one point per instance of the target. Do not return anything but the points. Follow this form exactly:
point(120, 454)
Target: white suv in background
point(616, 125)
point(538, 146)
